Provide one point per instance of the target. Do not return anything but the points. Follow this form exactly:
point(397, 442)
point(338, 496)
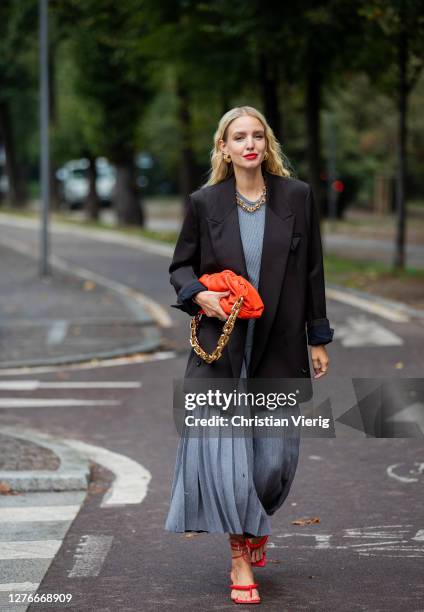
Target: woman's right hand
point(209, 302)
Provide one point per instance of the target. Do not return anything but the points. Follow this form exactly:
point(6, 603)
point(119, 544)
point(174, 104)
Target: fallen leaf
point(89, 285)
point(307, 521)
point(62, 376)
point(6, 490)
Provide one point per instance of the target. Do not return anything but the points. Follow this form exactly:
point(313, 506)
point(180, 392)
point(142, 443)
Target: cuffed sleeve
point(185, 297)
point(184, 268)
point(320, 332)
point(318, 326)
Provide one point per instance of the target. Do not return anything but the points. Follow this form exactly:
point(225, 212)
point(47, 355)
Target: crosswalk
point(34, 524)
point(361, 331)
point(60, 402)
point(32, 529)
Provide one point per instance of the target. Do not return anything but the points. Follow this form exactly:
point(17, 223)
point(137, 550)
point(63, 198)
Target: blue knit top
point(252, 226)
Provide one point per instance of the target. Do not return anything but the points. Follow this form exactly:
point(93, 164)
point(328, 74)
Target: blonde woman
point(254, 218)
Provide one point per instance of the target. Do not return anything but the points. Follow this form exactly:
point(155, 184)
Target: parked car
point(75, 186)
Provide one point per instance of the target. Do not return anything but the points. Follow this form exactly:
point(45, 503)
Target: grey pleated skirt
point(226, 482)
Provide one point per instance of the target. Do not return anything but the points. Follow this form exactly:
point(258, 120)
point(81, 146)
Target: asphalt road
point(367, 551)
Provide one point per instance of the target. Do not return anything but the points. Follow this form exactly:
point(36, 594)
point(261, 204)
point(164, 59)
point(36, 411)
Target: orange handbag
point(243, 301)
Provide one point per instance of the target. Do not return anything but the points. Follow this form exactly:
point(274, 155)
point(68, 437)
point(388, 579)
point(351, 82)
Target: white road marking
point(361, 331)
point(408, 479)
point(353, 531)
point(385, 539)
point(37, 514)
point(387, 312)
point(158, 312)
point(419, 536)
point(14, 402)
point(92, 364)
point(90, 556)
point(323, 541)
point(373, 544)
point(19, 587)
point(57, 332)
point(33, 549)
point(32, 385)
point(132, 479)
point(30, 537)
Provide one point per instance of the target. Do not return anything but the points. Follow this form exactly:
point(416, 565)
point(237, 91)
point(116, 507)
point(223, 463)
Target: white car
point(74, 178)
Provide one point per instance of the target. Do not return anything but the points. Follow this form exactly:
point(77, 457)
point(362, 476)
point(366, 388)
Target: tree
point(17, 22)
point(112, 76)
point(197, 41)
point(396, 40)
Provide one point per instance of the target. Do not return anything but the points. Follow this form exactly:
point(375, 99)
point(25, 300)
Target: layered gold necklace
point(257, 204)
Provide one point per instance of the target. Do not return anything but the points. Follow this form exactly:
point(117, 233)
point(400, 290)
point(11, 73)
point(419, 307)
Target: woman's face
point(246, 143)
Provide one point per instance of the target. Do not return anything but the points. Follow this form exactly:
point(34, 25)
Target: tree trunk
point(187, 165)
point(126, 197)
point(92, 203)
point(54, 189)
point(313, 127)
point(17, 188)
point(399, 258)
point(269, 86)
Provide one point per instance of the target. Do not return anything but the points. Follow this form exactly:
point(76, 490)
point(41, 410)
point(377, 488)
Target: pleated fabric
point(226, 479)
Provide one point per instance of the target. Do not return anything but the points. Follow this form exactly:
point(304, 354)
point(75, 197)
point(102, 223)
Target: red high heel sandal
point(243, 549)
point(251, 546)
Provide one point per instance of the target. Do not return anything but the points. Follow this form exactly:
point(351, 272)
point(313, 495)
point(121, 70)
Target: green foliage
point(110, 75)
point(18, 73)
point(119, 68)
point(17, 21)
point(384, 21)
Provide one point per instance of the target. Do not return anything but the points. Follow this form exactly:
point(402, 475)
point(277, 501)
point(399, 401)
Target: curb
point(150, 315)
point(139, 303)
point(72, 475)
point(148, 346)
point(404, 310)
point(116, 236)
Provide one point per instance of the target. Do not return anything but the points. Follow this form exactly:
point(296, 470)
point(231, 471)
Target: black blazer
point(291, 282)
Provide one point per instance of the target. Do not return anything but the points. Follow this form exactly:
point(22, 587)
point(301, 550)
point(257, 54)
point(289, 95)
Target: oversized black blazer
point(291, 282)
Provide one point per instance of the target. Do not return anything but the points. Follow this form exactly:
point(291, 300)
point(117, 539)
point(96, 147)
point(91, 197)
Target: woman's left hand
point(319, 360)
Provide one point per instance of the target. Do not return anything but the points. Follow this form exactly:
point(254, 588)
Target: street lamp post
point(44, 138)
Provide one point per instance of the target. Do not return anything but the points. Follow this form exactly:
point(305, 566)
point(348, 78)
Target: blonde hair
point(276, 163)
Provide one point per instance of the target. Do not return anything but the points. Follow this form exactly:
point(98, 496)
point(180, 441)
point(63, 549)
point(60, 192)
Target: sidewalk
point(65, 318)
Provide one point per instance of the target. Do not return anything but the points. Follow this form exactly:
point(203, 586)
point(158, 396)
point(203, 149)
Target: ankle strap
point(239, 546)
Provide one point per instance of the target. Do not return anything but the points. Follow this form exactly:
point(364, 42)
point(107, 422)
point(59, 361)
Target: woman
point(253, 218)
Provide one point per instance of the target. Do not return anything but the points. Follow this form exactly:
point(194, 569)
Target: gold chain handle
point(224, 337)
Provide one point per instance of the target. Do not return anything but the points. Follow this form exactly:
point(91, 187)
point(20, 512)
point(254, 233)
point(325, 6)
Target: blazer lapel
point(225, 235)
point(224, 227)
point(279, 225)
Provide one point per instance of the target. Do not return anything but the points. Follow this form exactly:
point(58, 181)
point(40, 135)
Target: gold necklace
point(257, 205)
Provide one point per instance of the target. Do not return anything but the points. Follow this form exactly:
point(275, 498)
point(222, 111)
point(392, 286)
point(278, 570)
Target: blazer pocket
point(296, 238)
